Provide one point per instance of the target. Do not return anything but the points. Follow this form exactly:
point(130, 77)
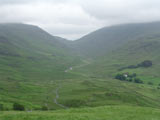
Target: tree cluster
point(18, 107)
point(129, 78)
point(144, 64)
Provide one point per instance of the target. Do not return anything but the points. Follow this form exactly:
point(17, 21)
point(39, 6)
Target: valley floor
point(97, 113)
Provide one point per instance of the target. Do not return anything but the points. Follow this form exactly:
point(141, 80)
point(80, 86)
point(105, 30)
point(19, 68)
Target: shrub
point(44, 108)
point(120, 77)
point(1, 107)
point(150, 83)
point(75, 103)
point(134, 74)
point(130, 80)
point(137, 80)
point(17, 106)
point(146, 63)
point(129, 77)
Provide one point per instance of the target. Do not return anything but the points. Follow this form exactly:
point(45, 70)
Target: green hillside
point(105, 40)
point(30, 59)
point(44, 72)
point(26, 48)
point(116, 47)
point(131, 53)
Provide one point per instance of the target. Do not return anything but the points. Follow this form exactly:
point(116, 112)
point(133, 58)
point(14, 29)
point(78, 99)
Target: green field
point(98, 113)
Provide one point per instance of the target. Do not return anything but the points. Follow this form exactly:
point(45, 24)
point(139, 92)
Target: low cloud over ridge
point(74, 18)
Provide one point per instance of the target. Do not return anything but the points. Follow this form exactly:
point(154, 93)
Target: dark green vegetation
point(17, 106)
point(42, 72)
point(129, 78)
point(145, 64)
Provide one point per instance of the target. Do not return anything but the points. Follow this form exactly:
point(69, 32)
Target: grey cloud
point(74, 18)
point(122, 11)
point(30, 1)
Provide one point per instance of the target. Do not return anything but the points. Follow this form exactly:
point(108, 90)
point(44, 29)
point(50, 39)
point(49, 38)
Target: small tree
point(130, 80)
point(44, 108)
point(17, 106)
point(137, 80)
point(150, 83)
point(134, 75)
point(120, 77)
point(1, 107)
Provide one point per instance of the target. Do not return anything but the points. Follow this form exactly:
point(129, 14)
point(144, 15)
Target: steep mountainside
point(129, 55)
point(26, 47)
point(30, 62)
point(107, 39)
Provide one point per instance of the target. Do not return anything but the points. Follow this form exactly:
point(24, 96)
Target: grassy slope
point(32, 82)
point(99, 113)
point(104, 40)
point(131, 53)
point(98, 92)
point(30, 59)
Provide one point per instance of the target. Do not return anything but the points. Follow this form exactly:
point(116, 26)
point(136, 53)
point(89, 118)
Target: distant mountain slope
point(131, 53)
point(31, 63)
point(107, 39)
point(27, 48)
point(27, 36)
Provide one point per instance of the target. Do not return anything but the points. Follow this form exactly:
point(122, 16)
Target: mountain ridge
point(104, 40)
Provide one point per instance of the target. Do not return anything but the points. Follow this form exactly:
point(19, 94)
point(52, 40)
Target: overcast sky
point(74, 18)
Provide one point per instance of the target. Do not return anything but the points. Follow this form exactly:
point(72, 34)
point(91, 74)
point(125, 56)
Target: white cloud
point(57, 18)
point(74, 18)
point(122, 11)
